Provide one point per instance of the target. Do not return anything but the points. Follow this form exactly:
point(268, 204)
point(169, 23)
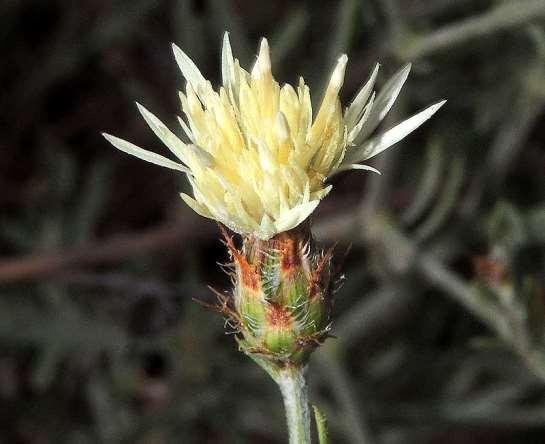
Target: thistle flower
point(258, 163)
point(256, 158)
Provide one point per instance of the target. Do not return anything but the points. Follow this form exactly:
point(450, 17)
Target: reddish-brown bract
point(279, 317)
point(289, 252)
point(248, 273)
point(490, 270)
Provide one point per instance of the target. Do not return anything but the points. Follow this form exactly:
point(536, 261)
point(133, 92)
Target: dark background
point(440, 320)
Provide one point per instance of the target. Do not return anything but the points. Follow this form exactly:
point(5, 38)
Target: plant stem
point(507, 15)
point(293, 386)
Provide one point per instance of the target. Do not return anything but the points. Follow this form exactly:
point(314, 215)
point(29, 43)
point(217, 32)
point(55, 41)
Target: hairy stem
point(293, 386)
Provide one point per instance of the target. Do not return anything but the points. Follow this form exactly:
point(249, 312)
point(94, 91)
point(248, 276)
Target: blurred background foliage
point(440, 322)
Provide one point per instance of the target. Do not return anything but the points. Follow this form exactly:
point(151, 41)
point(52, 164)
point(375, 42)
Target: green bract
point(281, 297)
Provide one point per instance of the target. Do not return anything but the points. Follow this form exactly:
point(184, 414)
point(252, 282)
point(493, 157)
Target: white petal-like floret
point(143, 154)
point(354, 112)
point(383, 141)
point(255, 157)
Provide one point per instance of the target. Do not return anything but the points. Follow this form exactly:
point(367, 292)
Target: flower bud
point(282, 300)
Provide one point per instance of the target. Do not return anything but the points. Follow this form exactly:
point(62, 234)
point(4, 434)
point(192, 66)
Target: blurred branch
point(288, 35)
point(446, 201)
point(68, 53)
point(187, 23)
point(224, 18)
point(92, 198)
point(427, 186)
point(459, 413)
point(372, 315)
point(25, 323)
point(383, 236)
point(340, 43)
point(437, 274)
point(394, 18)
point(119, 282)
point(425, 9)
point(510, 139)
point(507, 15)
point(109, 251)
point(503, 323)
point(404, 255)
point(356, 426)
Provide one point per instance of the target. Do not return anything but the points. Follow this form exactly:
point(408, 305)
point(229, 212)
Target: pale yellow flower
point(257, 160)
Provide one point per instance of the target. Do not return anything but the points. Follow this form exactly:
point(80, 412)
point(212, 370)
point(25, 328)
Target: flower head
point(257, 159)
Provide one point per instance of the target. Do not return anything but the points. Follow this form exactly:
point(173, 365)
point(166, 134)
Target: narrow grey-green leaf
point(321, 425)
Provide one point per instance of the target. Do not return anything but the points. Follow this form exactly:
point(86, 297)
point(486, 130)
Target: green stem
point(293, 386)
